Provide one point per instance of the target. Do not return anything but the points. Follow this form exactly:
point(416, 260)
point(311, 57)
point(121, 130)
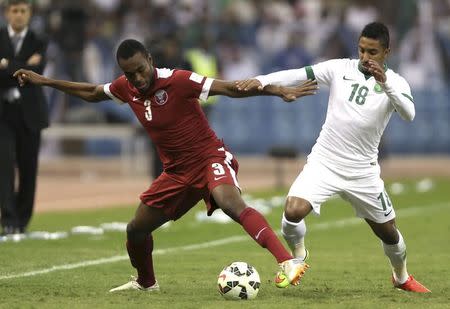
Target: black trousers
point(19, 150)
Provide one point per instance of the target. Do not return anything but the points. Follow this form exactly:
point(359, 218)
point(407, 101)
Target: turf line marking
point(407, 212)
point(118, 258)
point(66, 267)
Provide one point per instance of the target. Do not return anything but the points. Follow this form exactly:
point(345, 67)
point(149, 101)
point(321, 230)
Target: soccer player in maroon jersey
point(197, 165)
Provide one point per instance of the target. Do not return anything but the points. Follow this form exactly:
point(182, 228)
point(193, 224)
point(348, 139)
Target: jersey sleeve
point(193, 85)
point(117, 90)
point(399, 93)
point(324, 72)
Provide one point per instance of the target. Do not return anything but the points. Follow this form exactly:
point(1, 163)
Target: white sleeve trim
point(196, 77)
point(205, 90)
point(164, 72)
point(109, 94)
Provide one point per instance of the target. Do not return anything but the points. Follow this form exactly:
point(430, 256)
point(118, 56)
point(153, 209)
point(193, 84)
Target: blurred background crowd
point(235, 39)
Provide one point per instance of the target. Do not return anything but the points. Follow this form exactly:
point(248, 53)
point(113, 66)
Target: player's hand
point(248, 85)
point(35, 59)
point(27, 76)
point(377, 71)
point(289, 94)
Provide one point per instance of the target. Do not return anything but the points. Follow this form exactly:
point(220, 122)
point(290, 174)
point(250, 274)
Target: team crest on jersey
point(161, 97)
point(377, 88)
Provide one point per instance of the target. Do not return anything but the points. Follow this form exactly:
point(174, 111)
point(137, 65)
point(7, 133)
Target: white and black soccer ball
point(239, 280)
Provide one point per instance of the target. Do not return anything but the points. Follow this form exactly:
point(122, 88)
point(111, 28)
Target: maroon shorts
point(176, 194)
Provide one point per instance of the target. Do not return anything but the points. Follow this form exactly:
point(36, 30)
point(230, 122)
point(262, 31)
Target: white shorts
point(363, 188)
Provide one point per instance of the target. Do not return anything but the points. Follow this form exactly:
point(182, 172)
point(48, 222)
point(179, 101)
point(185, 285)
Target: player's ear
point(150, 59)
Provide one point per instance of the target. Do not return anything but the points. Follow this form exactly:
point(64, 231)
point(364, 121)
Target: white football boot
point(291, 272)
point(134, 285)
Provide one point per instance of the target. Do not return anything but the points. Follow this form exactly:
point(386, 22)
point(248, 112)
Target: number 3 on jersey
point(218, 169)
point(148, 110)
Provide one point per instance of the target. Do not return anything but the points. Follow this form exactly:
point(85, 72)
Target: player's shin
point(294, 234)
point(397, 256)
point(258, 228)
point(140, 253)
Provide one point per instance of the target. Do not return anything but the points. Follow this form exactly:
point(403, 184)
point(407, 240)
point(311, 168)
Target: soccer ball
point(239, 280)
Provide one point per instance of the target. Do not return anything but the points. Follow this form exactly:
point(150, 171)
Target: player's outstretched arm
point(85, 91)
point(250, 84)
point(287, 78)
point(288, 94)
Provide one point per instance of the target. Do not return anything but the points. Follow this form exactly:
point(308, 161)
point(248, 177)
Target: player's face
point(370, 49)
point(18, 16)
point(138, 69)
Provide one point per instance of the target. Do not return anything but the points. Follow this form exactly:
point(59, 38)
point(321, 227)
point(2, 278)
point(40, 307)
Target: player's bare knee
point(230, 201)
point(232, 208)
point(386, 231)
point(296, 209)
point(131, 229)
point(134, 233)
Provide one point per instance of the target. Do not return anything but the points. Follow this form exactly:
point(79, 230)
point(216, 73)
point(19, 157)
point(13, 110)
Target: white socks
point(397, 256)
point(294, 234)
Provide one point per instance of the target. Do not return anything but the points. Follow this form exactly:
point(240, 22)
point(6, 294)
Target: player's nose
point(139, 78)
point(365, 57)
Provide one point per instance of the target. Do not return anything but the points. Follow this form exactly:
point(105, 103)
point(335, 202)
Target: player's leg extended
point(395, 249)
point(293, 227)
point(224, 189)
point(371, 202)
point(315, 184)
point(228, 198)
point(140, 247)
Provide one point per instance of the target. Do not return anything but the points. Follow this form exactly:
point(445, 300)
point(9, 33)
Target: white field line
point(408, 212)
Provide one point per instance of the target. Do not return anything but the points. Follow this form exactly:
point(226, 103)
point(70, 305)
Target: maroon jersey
point(172, 116)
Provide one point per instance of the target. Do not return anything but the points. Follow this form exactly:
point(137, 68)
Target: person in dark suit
point(23, 114)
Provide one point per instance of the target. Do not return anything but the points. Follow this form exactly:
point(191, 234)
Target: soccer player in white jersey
point(363, 95)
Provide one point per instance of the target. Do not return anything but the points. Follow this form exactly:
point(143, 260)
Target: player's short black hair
point(128, 48)
point(377, 31)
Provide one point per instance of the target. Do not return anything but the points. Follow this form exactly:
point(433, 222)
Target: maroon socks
point(258, 228)
point(141, 258)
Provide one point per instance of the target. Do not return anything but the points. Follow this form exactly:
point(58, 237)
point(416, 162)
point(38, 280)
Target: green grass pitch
point(348, 267)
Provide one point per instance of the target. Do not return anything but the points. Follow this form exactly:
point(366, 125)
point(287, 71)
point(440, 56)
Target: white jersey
point(359, 109)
